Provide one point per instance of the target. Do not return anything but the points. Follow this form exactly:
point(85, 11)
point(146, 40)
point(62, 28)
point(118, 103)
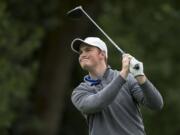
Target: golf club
point(79, 11)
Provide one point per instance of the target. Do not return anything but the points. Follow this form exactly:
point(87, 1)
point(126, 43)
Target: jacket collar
point(93, 82)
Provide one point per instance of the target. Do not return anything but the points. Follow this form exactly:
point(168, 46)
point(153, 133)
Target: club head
point(75, 13)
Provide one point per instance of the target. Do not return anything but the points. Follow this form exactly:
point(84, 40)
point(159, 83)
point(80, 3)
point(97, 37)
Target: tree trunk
point(56, 66)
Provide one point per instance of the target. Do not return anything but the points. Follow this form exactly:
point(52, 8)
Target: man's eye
point(88, 49)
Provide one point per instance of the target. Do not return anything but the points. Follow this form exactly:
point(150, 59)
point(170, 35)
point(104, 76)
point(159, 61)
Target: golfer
point(109, 99)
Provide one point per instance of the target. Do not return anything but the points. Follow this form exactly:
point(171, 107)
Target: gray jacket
point(112, 107)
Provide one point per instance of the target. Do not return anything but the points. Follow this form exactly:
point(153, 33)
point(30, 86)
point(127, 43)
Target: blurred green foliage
point(22, 27)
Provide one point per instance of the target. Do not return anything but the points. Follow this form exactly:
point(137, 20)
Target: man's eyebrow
point(85, 47)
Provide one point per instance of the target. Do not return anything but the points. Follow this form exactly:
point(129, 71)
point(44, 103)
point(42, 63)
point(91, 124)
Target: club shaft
point(113, 43)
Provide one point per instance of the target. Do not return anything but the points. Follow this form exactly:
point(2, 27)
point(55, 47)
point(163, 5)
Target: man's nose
point(83, 54)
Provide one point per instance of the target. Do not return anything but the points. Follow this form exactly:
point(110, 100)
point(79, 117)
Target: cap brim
point(76, 44)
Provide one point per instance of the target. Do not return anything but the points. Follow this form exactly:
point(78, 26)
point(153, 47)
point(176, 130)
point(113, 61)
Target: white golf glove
point(136, 67)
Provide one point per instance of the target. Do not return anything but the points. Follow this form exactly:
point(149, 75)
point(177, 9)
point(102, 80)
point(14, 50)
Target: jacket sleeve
point(147, 95)
point(89, 102)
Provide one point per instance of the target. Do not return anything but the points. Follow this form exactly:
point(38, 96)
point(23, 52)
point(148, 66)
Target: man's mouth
point(84, 59)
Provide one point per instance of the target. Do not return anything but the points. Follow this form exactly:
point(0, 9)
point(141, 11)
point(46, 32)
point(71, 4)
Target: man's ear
point(103, 53)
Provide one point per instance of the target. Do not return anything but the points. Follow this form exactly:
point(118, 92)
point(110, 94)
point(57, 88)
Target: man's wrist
point(124, 73)
point(141, 79)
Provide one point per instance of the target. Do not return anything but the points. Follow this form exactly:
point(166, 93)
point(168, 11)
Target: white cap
point(93, 41)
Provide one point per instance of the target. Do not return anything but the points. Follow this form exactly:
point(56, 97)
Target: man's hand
point(125, 65)
point(133, 67)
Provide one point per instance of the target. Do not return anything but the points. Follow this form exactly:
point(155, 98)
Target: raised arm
point(89, 102)
point(146, 94)
point(144, 91)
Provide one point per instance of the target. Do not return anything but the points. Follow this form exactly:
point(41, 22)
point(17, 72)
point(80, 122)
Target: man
point(109, 99)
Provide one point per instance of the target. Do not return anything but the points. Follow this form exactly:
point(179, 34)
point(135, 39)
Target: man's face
point(90, 56)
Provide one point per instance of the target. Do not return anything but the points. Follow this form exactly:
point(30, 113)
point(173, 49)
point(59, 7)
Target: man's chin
point(85, 67)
